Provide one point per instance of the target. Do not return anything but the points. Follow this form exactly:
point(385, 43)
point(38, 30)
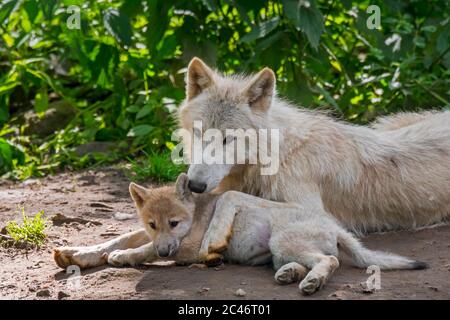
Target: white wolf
point(393, 175)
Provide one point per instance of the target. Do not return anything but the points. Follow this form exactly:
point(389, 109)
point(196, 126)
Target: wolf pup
point(393, 175)
point(300, 239)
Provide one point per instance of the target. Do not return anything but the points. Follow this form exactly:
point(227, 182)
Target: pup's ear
point(199, 77)
point(138, 193)
point(181, 187)
point(261, 89)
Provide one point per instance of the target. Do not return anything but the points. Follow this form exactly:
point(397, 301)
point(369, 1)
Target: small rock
point(436, 289)
point(43, 293)
point(240, 293)
point(121, 216)
point(220, 267)
point(100, 205)
point(243, 283)
point(60, 219)
point(109, 234)
point(203, 290)
point(30, 182)
point(338, 295)
point(56, 117)
point(62, 295)
point(366, 289)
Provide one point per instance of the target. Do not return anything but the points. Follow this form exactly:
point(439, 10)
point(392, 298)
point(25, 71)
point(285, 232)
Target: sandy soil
point(98, 196)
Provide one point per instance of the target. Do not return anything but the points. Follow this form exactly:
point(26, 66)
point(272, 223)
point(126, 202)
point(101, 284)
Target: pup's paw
point(83, 257)
point(120, 258)
point(290, 272)
point(311, 284)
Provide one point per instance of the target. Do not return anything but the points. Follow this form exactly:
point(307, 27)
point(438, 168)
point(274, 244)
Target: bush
point(122, 70)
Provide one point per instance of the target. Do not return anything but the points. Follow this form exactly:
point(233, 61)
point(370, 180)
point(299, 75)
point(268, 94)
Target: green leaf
point(306, 17)
point(8, 86)
point(144, 111)
point(133, 109)
point(41, 101)
point(5, 154)
point(261, 30)
point(6, 8)
point(118, 25)
point(32, 9)
point(419, 41)
point(429, 29)
point(140, 130)
point(48, 7)
point(210, 4)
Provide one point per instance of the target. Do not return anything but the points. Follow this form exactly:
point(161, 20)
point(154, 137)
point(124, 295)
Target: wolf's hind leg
point(290, 272)
point(96, 255)
point(322, 267)
point(294, 254)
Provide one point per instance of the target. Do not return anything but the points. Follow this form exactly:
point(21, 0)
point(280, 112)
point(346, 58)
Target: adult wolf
point(393, 175)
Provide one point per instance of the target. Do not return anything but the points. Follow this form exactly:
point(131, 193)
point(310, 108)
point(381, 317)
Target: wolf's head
point(167, 213)
point(222, 102)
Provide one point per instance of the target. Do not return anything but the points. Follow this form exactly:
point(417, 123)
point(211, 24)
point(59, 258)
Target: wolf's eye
point(173, 223)
point(152, 225)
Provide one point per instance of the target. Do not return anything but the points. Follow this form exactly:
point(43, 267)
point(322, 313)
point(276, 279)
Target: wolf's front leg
point(218, 234)
point(132, 257)
point(97, 255)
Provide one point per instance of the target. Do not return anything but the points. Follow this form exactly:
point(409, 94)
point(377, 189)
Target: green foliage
point(156, 166)
point(31, 231)
point(122, 70)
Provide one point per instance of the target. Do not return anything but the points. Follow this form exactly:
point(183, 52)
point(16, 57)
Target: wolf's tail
point(363, 257)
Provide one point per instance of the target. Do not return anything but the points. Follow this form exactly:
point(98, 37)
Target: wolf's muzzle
point(196, 187)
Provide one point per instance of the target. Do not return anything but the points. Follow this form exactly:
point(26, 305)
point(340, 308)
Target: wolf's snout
point(197, 187)
point(163, 252)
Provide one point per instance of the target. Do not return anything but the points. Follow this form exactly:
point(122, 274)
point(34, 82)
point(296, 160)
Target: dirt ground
point(99, 196)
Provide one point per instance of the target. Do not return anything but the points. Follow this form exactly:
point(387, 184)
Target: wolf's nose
point(196, 187)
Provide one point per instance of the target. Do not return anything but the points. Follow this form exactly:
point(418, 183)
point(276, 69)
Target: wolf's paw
point(83, 257)
point(215, 242)
point(211, 259)
point(290, 272)
point(120, 258)
point(311, 284)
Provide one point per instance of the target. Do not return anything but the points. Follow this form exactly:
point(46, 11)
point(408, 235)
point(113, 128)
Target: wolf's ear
point(199, 77)
point(138, 193)
point(181, 187)
point(261, 89)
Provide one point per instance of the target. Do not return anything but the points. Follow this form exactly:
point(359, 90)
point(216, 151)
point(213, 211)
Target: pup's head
point(166, 212)
point(222, 102)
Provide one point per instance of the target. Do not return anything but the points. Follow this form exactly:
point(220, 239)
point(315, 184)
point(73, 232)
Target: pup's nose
point(197, 187)
point(163, 253)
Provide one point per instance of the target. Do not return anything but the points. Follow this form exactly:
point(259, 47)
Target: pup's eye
point(152, 225)
point(173, 223)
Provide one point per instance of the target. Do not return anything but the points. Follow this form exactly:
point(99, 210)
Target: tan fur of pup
point(300, 239)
